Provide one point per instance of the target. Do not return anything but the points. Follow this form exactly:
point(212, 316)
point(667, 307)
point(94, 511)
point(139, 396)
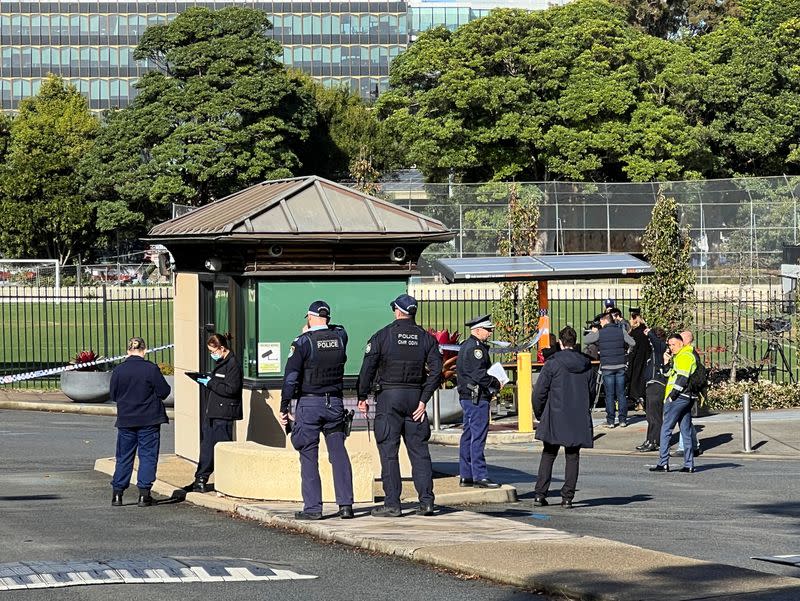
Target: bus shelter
point(540, 269)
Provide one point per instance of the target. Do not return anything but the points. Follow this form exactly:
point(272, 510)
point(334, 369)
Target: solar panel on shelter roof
point(542, 267)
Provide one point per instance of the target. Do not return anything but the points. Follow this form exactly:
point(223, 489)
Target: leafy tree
point(219, 113)
point(668, 294)
point(750, 98)
point(347, 137)
point(573, 92)
point(516, 313)
point(675, 18)
point(45, 213)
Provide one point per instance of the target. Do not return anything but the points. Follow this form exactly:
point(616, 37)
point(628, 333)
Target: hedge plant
point(763, 395)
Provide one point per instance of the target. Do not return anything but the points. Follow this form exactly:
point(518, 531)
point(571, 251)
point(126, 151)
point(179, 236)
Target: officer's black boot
point(145, 500)
point(387, 512)
point(425, 509)
point(200, 484)
point(307, 515)
point(116, 498)
point(346, 512)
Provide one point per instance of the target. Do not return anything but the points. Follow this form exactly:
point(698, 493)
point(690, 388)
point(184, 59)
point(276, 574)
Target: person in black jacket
point(475, 391)
point(656, 382)
point(223, 406)
point(314, 375)
point(138, 389)
point(405, 364)
point(561, 403)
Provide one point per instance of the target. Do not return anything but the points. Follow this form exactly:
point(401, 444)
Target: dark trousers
point(678, 411)
point(471, 458)
point(315, 414)
point(614, 385)
point(213, 430)
point(549, 453)
point(393, 420)
point(654, 410)
point(147, 439)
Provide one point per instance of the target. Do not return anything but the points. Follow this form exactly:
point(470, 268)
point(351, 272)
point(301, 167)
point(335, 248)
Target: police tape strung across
point(40, 373)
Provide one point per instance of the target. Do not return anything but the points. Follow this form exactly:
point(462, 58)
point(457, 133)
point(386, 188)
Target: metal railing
point(726, 323)
point(47, 327)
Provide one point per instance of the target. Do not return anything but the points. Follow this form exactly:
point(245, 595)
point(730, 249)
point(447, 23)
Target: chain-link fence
point(739, 227)
point(32, 274)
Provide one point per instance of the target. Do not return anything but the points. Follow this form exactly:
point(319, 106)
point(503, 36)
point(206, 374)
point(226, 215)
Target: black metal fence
point(727, 325)
point(46, 327)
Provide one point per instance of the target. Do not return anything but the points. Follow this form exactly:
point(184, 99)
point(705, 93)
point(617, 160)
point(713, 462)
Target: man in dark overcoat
point(561, 404)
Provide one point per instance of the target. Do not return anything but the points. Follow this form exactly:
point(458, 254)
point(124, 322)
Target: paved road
point(728, 511)
point(54, 507)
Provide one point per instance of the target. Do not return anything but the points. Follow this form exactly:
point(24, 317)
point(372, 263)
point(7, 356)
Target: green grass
point(47, 334)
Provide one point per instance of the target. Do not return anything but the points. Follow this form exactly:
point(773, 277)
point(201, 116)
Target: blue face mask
point(216, 356)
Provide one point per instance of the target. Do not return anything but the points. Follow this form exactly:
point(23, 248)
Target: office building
point(91, 44)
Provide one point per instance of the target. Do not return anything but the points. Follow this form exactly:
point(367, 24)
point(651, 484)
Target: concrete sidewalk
point(775, 435)
point(500, 549)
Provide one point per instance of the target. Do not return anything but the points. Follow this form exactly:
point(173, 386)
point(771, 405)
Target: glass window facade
point(91, 43)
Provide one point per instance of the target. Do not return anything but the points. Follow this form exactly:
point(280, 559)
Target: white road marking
point(42, 574)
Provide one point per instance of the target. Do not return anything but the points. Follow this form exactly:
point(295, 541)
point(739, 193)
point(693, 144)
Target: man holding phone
point(677, 402)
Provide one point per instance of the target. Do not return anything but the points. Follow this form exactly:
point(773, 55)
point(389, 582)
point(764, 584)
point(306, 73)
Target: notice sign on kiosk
point(269, 357)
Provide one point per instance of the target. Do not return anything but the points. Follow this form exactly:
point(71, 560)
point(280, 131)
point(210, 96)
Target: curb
point(494, 438)
point(57, 407)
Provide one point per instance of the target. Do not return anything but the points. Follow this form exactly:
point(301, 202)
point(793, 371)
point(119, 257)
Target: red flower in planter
point(449, 357)
point(86, 357)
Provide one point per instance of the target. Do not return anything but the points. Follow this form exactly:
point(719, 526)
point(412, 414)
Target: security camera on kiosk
point(398, 254)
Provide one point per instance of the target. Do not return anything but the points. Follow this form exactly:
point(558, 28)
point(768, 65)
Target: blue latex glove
point(203, 381)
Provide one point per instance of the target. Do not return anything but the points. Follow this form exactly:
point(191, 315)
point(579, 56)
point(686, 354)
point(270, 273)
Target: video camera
point(592, 323)
point(773, 325)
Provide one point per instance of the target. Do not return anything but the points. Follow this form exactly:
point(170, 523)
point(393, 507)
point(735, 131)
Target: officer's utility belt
point(400, 386)
point(322, 395)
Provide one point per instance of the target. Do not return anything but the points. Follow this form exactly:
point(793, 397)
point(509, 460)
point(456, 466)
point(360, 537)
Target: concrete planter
point(450, 411)
point(170, 400)
point(87, 386)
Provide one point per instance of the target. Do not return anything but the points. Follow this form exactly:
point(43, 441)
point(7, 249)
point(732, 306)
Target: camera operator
point(612, 340)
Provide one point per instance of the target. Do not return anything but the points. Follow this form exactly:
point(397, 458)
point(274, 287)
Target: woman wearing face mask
point(223, 407)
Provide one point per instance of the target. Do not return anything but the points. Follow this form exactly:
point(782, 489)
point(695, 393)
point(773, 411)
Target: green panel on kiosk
point(361, 306)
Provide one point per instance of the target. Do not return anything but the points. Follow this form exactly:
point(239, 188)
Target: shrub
point(763, 395)
point(166, 369)
point(86, 357)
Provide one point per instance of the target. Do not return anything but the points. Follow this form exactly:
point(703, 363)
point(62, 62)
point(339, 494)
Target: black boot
point(145, 500)
point(200, 484)
point(346, 512)
point(425, 509)
point(116, 499)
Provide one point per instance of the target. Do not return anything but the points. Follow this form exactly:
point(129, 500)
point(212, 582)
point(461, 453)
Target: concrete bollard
point(437, 412)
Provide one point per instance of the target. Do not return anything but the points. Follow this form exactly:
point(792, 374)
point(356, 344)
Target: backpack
point(698, 379)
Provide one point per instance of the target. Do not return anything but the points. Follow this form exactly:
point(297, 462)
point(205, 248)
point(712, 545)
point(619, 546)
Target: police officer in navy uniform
point(405, 364)
point(475, 391)
point(314, 375)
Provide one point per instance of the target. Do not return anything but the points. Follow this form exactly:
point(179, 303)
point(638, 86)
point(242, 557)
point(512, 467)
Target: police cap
point(319, 309)
point(609, 303)
point(483, 321)
point(405, 303)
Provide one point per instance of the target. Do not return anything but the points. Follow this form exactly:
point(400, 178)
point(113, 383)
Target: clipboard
point(195, 375)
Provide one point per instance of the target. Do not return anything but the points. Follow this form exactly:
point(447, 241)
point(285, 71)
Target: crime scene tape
point(40, 373)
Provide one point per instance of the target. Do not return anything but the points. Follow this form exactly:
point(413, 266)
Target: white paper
point(498, 372)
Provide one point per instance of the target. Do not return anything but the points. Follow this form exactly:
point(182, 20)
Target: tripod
point(770, 358)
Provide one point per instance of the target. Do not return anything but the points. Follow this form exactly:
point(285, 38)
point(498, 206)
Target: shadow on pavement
point(704, 467)
point(715, 441)
point(707, 580)
point(30, 497)
point(613, 501)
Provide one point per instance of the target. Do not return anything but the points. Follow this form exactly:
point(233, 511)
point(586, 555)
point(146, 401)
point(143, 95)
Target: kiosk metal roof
point(542, 267)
